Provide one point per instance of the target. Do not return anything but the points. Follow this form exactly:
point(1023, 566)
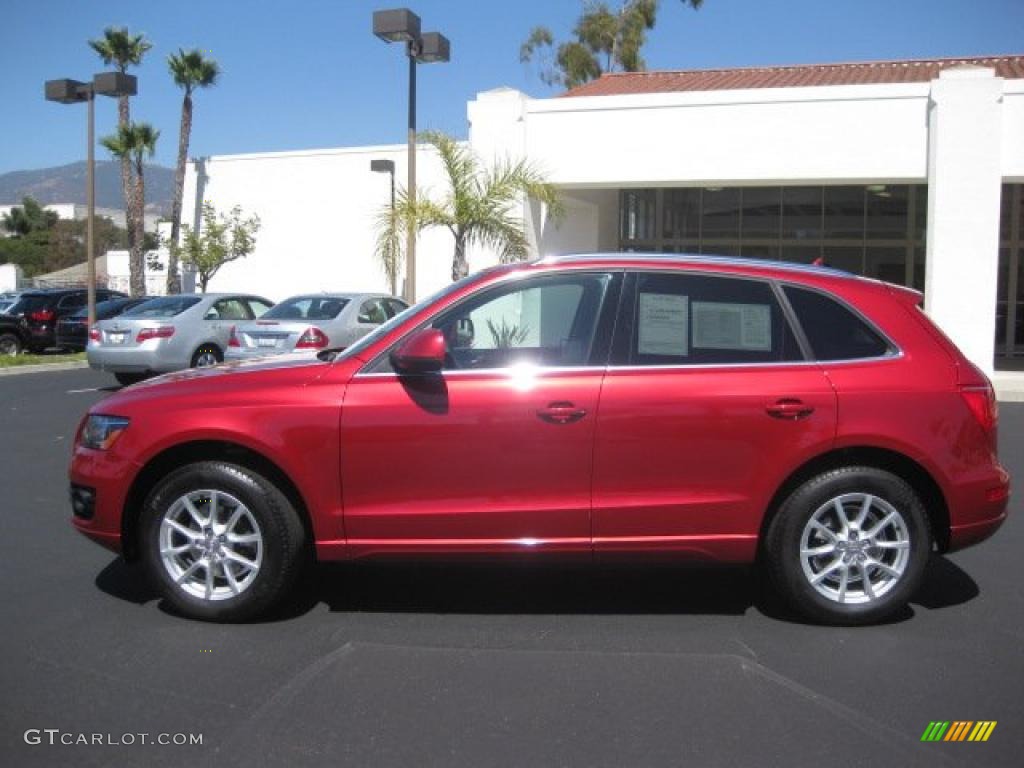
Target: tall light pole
point(72, 92)
point(388, 166)
point(396, 26)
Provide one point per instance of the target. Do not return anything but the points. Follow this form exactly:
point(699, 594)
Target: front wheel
point(849, 546)
point(221, 542)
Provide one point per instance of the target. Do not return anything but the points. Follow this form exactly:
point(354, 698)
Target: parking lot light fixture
point(66, 91)
point(400, 25)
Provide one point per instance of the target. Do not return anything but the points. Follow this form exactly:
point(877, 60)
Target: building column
point(964, 177)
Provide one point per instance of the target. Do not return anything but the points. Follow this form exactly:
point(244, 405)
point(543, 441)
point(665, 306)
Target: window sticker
point(719, 325)
point(663, 325)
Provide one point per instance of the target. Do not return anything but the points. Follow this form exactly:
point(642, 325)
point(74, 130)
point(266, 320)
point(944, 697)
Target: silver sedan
point(170, 333)
point(312, 322)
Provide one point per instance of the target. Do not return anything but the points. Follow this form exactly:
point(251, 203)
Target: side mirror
point(422, 353)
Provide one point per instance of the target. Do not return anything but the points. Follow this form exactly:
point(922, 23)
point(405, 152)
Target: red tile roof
point(854, 73)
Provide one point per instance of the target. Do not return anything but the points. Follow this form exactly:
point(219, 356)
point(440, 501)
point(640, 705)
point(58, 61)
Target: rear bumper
point(130, 360)
point(980, 510)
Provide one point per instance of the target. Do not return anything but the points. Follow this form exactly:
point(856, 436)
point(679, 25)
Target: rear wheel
point(221, 541)
point(206, 355)
point(10, 344)
point(849, 546)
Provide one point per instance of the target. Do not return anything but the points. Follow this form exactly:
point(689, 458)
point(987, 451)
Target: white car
point(312, 322)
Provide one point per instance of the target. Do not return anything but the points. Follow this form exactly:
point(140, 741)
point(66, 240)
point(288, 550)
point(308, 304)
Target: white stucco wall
point(317, 211)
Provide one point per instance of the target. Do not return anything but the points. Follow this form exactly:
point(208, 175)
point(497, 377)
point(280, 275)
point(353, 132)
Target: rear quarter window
point(834, 331)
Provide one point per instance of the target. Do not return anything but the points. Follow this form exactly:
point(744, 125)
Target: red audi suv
point(711, 409)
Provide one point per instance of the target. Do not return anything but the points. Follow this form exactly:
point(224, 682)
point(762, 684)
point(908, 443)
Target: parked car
point(810, 421)
point(42, 309)
point(312, 322)
point(73, 330)
point(187, 330)
point(14, 335)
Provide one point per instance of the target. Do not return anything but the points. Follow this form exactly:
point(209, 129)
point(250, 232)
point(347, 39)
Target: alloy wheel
point(210, 545)
point(855, 548)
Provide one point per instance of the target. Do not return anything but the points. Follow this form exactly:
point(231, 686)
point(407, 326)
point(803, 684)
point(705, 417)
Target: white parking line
point(78, 391)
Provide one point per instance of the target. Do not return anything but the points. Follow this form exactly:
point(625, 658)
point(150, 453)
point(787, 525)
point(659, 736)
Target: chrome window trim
point(513, 371)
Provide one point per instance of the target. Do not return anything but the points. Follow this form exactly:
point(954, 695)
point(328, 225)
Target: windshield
point(169, 306)
point(307, 308)
point(401, 317)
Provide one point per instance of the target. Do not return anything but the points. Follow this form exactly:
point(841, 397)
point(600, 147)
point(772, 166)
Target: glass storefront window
point(761, 212)
point(887, 211)
point(720, 212)
point(682, 214)
point(844, 213)
point(801, 213)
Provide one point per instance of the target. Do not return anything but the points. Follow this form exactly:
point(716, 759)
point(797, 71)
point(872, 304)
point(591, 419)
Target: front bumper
point(99, 488)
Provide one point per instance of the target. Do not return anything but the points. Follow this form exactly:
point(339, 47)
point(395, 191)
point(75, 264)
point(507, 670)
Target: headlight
point(100, 432)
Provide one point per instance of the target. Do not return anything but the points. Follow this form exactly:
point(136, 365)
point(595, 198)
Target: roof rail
point(688, 258)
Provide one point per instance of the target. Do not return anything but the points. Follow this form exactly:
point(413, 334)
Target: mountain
point(66, 184)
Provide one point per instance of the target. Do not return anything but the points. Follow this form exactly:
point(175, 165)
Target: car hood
point(295, 360)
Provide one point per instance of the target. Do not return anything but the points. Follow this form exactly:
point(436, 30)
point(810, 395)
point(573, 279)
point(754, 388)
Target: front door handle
point(790, 408)
point(561, 412)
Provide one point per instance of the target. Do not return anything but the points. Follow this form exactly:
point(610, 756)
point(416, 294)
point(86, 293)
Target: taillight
point(95, 335)
point(981, 400)
point(233, 340)
point(313, 338)
point(160, 332)
point(41, 315)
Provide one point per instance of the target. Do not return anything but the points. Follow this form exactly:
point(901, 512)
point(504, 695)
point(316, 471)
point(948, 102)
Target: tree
point(29, 217)
point(190, 70)
point(122, 49)
point(478, 208)
point(220, 240)
point(134, 143)
point(606, 41)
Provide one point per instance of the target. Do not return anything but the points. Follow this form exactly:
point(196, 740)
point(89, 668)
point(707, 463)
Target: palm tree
point(190, 70)
point(478, 208)
point(122, 49)
point(133, 143)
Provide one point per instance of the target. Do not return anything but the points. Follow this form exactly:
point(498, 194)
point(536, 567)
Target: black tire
point(789, 573)
point(10, 344)
point(126, 379)
point(206, 351)
point(284, 550)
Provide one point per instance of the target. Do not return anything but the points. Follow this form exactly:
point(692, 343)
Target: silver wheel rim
point(8, 346)
point(205, 359)
point(210, 545)
point(855, 548)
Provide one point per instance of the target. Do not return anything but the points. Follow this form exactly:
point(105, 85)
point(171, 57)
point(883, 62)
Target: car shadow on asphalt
point(541, 588)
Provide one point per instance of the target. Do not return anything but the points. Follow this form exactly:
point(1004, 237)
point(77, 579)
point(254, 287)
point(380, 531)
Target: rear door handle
point(790, 408)
point(561, 412)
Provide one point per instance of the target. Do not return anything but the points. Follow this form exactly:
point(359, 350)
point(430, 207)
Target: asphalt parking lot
point(477, 664)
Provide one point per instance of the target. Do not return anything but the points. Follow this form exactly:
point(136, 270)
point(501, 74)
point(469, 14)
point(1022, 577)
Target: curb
point(16, 370)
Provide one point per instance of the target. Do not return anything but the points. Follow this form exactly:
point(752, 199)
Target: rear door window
point(692, 319)
point(833, 331)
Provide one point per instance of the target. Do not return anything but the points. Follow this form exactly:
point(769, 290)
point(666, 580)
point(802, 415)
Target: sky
point(303, 74)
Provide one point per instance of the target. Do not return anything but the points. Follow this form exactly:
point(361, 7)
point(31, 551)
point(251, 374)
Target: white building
point(909, 171)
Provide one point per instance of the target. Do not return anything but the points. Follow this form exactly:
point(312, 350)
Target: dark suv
point(73, 330)
point(42, 309)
